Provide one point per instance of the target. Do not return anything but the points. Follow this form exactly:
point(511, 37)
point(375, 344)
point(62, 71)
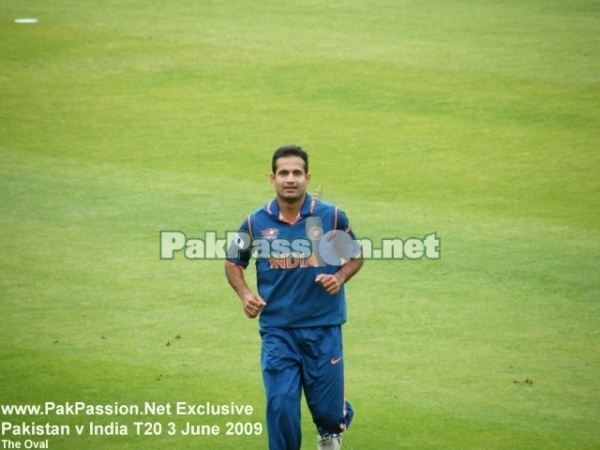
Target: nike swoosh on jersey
point(335, 361)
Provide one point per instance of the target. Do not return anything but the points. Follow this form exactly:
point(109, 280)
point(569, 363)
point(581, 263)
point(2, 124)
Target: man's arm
point(253, 303)
point(333, 283)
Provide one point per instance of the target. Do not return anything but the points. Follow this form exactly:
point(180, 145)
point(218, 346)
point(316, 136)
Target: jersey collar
point(308, 207)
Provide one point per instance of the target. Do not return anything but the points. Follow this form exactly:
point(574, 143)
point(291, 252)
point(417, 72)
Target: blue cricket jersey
point(289, 256)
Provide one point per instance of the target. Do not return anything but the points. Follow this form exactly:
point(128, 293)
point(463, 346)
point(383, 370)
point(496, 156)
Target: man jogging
point(305, 252)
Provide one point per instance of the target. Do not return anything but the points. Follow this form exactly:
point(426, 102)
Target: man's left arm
point(333, 283)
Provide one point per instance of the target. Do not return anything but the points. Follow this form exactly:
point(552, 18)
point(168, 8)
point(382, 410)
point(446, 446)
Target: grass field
point(477, 120)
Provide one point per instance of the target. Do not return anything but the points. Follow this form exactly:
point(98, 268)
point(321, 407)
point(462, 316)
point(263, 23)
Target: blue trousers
point(309, 359)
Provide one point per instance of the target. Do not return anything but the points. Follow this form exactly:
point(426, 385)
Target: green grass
point(476, 120)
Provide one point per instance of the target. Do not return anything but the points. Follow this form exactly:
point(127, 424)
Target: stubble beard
point(297, 197)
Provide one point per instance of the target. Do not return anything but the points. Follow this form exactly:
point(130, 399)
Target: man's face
point(290, 179)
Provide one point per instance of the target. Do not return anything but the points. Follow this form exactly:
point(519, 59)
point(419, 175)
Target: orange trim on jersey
point(335, 221)
point(298, 217)
point(336, 218)
point(236, 265)
point(250, 227)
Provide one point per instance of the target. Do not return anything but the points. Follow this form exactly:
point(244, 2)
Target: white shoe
point(329, 442)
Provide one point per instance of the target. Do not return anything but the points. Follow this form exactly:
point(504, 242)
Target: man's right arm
point(252, 302)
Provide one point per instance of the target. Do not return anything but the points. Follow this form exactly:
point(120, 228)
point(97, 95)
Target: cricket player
point(305, 252)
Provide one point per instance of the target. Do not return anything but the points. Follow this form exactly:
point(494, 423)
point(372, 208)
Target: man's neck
point(290, 211)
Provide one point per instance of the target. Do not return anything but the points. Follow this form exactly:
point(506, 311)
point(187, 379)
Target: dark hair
point(289, 150)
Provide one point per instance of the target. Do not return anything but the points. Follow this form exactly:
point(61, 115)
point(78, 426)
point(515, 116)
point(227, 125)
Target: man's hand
point(330, 283)
point(333, 283)
point(253, 303)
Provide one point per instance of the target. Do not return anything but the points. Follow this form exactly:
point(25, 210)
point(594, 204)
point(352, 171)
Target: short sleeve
point(240, 247)
point(343, 223)
point(347, 246)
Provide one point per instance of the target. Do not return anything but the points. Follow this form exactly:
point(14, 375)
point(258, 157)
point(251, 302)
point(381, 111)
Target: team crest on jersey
point(315, 233)
point(270, 233)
